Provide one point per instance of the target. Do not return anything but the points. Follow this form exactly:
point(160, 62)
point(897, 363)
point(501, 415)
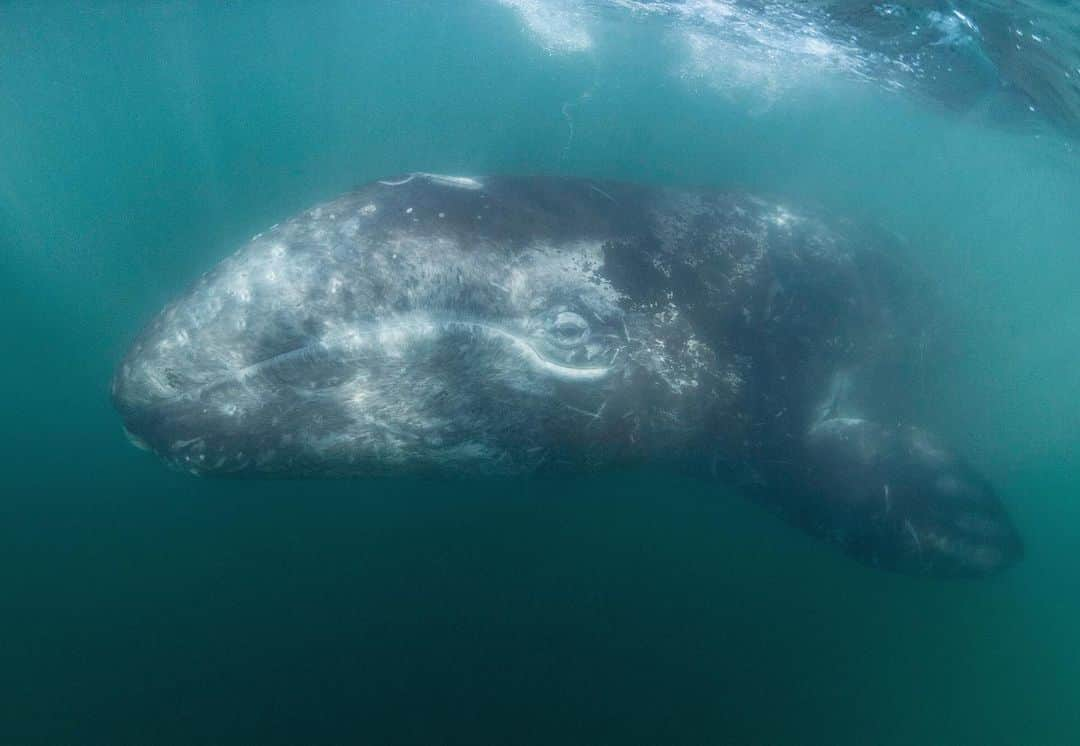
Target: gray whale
point(512, 326)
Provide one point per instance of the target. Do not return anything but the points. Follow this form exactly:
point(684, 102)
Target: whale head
point(381, 333)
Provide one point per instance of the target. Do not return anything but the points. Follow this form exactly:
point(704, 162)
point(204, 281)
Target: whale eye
point(568, 328)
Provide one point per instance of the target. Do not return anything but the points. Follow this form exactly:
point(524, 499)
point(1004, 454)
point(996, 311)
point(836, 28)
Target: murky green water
point(140, 143)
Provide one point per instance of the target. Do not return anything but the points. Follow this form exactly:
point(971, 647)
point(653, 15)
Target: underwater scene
point(540, 372)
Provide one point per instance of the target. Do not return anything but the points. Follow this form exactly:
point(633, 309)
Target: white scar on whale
point(461, 182)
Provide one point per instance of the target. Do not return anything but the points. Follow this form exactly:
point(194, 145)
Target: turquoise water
point(141, 143)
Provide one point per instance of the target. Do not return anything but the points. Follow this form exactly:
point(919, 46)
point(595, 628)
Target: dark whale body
point(517, 326)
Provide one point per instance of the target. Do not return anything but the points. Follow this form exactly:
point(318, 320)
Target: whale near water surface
point(511, 326)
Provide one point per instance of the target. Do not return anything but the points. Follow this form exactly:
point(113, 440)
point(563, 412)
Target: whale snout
point(151, 404)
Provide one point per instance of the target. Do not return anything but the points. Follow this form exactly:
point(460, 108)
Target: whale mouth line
point(351, 343)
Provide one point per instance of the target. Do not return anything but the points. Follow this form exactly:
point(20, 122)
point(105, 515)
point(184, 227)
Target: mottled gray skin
point(519, 326)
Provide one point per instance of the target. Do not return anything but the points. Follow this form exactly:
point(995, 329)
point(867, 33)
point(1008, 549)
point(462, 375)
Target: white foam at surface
point(727, 45)
point(733, 47)
point(558, 26)
point(768, 48)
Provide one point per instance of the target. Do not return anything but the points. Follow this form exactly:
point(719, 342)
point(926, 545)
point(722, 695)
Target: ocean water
point(140, 143)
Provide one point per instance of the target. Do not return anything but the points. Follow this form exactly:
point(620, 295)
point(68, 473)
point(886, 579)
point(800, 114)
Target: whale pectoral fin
point(892, 496)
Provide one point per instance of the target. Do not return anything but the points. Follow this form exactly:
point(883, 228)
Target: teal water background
point(140, 143)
